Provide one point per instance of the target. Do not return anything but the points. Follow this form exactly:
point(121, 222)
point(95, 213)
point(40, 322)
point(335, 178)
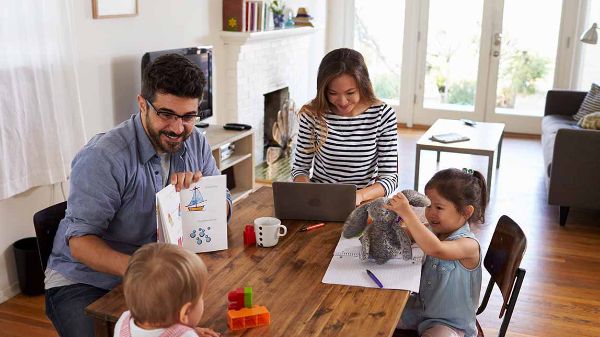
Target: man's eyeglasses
point(169, 116)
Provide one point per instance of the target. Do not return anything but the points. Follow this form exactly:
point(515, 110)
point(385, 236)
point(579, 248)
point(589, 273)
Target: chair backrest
point(502, 261)
point(46, 223)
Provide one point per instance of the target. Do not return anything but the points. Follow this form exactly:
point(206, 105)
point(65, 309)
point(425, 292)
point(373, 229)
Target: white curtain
point(41, 122)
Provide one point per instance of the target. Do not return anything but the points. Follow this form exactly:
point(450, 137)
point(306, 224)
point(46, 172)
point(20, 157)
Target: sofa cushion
point(550, 126)
point(591, 103)
point(590, 121)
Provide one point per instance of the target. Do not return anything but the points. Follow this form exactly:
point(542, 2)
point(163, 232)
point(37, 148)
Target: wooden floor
point(561, 291)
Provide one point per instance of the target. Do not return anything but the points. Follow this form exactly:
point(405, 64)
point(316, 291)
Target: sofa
point(571, 155)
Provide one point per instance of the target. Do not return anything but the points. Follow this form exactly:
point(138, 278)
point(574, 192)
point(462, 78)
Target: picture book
point(451, 137)
point(347, 268)
point(196, 217)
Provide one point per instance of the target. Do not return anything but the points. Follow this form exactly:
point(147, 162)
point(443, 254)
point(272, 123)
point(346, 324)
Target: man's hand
point(185, 179)
point(206, 332)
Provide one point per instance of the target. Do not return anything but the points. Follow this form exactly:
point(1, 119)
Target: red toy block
point(236, 299)
point(240, 298)
point(248, 318)
point(249, 235)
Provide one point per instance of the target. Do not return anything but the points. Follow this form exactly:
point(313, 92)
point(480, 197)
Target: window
point(589, 67)
point(378, 36)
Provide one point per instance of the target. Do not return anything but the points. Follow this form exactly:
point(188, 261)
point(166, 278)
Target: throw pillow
point(590, 121)
point(591, 103)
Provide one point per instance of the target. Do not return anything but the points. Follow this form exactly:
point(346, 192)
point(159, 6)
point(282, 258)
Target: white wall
point(109, 53)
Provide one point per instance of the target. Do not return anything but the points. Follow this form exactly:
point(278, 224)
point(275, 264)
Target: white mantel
point(260, 62)
point(250, 37)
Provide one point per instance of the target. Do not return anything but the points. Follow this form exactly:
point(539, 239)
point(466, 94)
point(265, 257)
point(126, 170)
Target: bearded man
point(111, 208)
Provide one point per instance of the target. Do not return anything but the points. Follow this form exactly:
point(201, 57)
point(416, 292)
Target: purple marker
point(374, 278)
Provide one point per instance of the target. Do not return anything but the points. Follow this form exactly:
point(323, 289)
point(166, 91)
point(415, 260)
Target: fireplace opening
point(274, 101)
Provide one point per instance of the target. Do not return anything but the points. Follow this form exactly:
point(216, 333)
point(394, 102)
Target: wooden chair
point(46, 223)
point(502, 261)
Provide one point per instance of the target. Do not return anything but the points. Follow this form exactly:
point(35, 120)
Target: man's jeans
point(65, 308)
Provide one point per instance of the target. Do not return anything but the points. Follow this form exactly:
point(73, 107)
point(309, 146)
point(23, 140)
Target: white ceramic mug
point(268, 230)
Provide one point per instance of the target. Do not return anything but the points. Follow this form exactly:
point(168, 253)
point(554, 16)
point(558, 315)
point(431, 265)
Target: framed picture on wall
point(102, 9)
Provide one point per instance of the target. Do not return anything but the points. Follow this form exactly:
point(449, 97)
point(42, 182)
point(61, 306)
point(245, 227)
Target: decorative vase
point(278, 20)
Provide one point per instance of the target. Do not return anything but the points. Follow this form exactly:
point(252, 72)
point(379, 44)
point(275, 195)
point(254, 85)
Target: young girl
point(163, 287)
point(346, 135)
point(451, 274)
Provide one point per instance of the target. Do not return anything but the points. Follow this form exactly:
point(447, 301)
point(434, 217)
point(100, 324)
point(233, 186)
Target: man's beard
point(165, 146)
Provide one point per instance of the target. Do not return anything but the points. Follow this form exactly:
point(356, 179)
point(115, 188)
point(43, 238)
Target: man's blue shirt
point(113, 184)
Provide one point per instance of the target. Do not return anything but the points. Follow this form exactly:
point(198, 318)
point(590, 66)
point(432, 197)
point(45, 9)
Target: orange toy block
point(248, 317)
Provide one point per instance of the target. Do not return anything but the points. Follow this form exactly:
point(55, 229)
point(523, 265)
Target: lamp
point(590, 36)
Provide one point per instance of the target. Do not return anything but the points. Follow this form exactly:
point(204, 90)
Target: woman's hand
point(206, 332)
point(359, 198)
point(301, 179)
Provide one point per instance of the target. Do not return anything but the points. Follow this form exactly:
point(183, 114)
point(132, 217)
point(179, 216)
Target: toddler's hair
point(462, 189)
point(159, 280)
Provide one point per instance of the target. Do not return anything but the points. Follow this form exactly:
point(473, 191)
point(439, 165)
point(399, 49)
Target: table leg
point(417, 164)
point(438, 156)
point(499, 149)
point(103, 328)
point(489, 174)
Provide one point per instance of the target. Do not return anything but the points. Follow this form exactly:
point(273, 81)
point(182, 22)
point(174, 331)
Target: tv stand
point(239, 166)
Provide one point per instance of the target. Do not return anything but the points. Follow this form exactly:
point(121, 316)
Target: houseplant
point(277, 7)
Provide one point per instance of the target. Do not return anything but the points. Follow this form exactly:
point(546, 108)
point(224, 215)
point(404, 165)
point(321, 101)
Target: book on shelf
point(234, 15)
point(246, 16)
point(196, 217)
point(451, 137)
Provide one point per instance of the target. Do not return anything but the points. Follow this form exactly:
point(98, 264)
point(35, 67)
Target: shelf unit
point(239, 165)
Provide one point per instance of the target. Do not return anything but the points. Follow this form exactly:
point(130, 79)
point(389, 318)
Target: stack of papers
point(347, 268)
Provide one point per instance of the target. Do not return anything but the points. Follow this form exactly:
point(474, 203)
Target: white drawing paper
point(347, 268)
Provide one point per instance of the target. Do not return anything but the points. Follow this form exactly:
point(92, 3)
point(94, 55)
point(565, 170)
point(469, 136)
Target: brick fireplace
point(260, 63)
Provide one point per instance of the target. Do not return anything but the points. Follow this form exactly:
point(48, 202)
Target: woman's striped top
point(359, 150)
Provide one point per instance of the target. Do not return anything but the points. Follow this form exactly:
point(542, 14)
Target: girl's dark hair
point(342, 61)
point(462, 188)
point(172, 74)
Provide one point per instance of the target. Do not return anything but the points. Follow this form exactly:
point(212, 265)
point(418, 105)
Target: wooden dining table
point(286, 279)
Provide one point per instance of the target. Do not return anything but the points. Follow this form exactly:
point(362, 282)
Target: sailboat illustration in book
point(197, 202)
point(197, 215)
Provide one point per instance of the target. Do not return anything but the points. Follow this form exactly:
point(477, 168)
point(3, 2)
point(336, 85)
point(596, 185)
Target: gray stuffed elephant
point(381, 236)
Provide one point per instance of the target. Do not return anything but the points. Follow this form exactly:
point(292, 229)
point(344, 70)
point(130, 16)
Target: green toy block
point(248, 297)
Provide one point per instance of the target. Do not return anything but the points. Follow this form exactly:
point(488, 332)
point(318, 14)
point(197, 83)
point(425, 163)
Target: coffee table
point(484, 140)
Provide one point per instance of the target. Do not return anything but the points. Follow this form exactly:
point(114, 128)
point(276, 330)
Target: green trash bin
point(29, 268)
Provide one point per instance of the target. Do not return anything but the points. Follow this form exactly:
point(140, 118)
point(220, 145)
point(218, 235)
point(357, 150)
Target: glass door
point(449, 78)
point(524, 47)
point(494, 62)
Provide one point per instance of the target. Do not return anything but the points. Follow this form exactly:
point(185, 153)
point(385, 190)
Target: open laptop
point(313, 201)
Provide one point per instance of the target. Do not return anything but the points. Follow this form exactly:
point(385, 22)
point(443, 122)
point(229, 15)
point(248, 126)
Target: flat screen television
point(202, 56)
